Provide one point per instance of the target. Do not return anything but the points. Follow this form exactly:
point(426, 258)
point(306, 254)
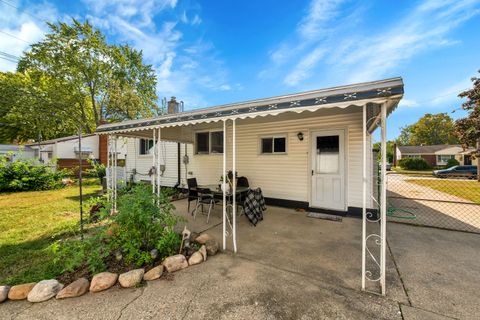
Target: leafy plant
point(28, 175)
point(98, 170)
point(142, 223)
point(452, 163)
point(74, 253)
point(413, 164)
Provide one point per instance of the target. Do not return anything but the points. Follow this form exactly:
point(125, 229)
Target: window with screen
point(145, 146)
point(209, 142)
point(272, 145)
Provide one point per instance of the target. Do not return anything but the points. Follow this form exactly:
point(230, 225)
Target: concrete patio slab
point(440, 268)
point(290, 241)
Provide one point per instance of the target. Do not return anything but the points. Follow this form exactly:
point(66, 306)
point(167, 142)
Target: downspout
point(178, 166)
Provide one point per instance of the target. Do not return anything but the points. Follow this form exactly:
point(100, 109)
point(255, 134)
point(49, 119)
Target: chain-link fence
point(451, 202)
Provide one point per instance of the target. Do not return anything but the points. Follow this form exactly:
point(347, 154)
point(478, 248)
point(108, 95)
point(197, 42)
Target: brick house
point(435, 155)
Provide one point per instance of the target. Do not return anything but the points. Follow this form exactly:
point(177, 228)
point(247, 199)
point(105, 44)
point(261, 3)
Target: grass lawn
point(466, 189)
point(29, 223)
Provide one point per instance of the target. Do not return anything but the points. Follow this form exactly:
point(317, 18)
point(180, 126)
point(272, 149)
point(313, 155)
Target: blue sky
point(215, 52)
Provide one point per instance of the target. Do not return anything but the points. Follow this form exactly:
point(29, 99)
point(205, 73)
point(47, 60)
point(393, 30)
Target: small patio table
point(217, 191)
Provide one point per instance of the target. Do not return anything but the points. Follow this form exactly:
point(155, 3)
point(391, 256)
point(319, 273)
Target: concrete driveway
point(294, 267)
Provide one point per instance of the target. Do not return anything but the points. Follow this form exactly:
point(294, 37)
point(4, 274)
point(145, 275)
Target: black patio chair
point(242, 182)
point(192, 191)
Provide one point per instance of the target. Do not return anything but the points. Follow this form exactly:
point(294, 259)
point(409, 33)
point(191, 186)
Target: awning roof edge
point(390, 91)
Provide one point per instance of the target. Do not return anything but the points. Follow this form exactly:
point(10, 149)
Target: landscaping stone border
point(46, 289)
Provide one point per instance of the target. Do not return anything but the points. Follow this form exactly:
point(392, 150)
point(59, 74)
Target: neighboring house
point(436, 155)
point(15, 151)
point(66, 151)
point(304, 150)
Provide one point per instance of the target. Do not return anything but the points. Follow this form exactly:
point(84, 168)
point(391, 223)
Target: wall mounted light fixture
point(300, 136)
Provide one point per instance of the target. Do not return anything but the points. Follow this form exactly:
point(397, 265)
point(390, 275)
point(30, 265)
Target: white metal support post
point(109, 171)
point(224, 188)
point(364, 193)
point(115, 165)
point(383, 199)
point(234, 195)
point(153, 172)
point(159, 150)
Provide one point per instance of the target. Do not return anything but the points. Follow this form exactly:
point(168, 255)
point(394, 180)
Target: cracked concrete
point(293, 267)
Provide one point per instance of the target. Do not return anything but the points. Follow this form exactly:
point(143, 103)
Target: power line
point(23, 10)
point(11, 35)
point(9, 57)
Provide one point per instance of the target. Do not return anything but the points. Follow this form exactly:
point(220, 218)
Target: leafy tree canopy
point(431, 129)
point(468, 128)
point(73, 76)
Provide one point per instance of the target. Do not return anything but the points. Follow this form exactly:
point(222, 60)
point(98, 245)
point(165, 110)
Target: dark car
point(469, 172)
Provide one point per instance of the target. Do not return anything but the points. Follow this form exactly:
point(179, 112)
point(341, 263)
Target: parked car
point(388, 167)
point(468, 172)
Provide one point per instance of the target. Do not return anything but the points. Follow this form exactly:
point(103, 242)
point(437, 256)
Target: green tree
point(431, 129)
point(35, 106)
point(468, 128)
point(106, 82)
point(390, 144)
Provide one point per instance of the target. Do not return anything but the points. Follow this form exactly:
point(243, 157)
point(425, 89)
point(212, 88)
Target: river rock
point(175, 263)
point(103, 281)
point(212, 247)
point(4, 293)
point(74, 289)
point(20, 292)
point(131, 278)
point(203, 238)
point(203, 251)
point(153, 273)
point(196, 258)
point(44, 290)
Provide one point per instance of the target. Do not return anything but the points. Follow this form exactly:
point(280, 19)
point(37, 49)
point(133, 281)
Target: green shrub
point(141, 225)
point(452, 163)
point(98, 170)
point(143, 222)
point(28, 175)
point(73, 253)
point(413, 164)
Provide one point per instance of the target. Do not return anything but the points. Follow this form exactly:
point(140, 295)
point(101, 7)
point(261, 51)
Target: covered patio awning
point(375, 99)
point(374, 94)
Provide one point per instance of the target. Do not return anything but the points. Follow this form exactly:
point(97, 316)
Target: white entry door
point(328, 169)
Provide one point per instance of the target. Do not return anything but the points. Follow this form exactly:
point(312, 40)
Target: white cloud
point(303, 69)
point(19, 30)
point(408, 103)
point(330, 40)
point(426, 27)
point(316, 22)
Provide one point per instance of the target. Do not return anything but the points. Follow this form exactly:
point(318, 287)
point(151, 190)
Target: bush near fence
point(413, 164)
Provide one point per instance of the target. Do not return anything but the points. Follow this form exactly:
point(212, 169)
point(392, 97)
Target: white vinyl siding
point(287, 176)
point(282, 176)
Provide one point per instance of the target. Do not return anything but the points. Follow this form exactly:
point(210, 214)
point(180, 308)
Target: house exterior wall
point(66, 149)
point(284, 176)
point(287, 176)
point(431, 159)
point(143, 163)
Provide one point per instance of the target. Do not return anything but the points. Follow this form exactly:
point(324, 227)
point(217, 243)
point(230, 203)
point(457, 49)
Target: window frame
point(140, 146)
point(441, 161)
point(209, 131)
point(273, 137)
